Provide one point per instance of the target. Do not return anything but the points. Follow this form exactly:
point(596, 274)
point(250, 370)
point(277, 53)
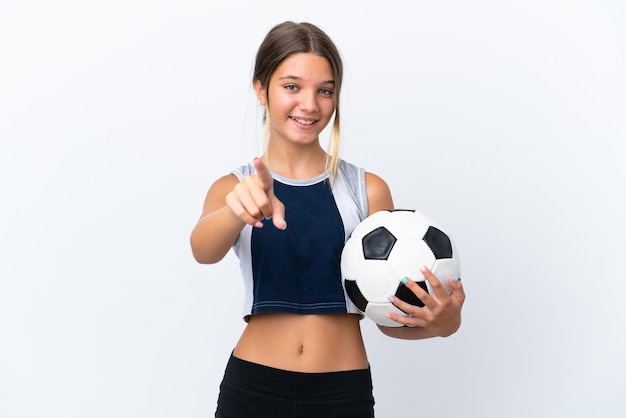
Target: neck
point(298, 163)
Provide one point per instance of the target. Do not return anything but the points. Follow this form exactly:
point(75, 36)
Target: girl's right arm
point(229, 206)
point(218, 227)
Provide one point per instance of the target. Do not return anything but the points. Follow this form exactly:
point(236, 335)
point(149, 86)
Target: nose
point(308, 101)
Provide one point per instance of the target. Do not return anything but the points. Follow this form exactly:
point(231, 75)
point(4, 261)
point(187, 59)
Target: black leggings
point(251, 390)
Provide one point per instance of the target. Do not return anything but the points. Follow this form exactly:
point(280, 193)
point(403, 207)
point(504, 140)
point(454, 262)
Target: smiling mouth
point(303, 121)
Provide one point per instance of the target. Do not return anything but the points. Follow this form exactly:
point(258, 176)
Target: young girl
point(287, 216)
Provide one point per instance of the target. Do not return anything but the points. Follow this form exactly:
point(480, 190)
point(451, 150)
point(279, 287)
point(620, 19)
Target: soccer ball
point(387, 246)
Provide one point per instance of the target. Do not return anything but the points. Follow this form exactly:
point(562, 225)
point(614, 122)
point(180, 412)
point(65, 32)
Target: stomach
point(304, 343)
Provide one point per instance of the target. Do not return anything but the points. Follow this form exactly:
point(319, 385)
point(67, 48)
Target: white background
point(503, 121)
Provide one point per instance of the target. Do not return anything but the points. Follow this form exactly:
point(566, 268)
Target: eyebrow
point(294, 77)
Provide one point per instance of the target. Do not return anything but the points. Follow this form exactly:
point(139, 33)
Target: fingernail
point(268, 218)
point(391, 298)
point(285, 227)
point(456, 279)
point(423, 269)
point(404, 280)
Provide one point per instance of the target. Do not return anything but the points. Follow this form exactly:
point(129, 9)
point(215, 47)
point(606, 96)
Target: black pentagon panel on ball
point(438, 242)
point(355, 295)
point(407, 295)
point(378, 243)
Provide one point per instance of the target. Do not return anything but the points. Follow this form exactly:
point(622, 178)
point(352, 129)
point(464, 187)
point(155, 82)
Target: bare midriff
point(304, 343)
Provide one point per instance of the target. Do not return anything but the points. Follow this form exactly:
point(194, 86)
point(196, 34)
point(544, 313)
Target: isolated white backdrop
point(504, 121)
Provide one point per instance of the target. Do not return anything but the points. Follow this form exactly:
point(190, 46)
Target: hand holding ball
point(388, 246)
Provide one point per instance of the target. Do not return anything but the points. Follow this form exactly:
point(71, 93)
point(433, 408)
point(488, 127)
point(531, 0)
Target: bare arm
point(218, 227)
point(441, 315)
point(230, 205)
point(378, 194)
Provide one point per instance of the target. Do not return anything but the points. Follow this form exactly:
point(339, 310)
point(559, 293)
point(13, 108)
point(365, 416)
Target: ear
point(260, 92)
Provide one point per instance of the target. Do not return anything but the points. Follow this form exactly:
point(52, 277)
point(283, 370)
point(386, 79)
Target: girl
point(287, 216)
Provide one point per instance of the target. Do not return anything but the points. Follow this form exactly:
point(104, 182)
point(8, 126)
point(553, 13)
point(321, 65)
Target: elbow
point(206, 258)
point(204, 255)
point(203, 259)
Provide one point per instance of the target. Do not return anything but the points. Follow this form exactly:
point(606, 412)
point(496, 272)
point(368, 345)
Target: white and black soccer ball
point(387, 246)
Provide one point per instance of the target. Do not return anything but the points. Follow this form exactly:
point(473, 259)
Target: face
point(300, 97)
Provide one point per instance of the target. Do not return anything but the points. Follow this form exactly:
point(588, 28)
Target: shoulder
point(243, 170)
point(349, 170)
point(375, 184)
point(378, 193)
point(223, 185)
point(216, 194)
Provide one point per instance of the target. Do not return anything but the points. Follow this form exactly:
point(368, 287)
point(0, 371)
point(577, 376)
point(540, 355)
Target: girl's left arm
point(441, 314)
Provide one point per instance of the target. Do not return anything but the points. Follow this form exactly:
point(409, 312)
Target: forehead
point(307, 67)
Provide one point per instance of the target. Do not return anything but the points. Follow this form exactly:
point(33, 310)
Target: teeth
point(304, 122)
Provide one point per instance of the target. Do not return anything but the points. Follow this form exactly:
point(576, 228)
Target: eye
point(291, 87)
point(326, 92)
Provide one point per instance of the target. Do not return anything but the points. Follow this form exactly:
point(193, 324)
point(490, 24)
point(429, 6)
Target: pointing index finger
point(276, 209)
point(263, 174)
